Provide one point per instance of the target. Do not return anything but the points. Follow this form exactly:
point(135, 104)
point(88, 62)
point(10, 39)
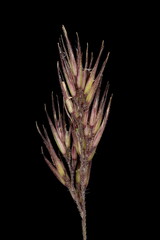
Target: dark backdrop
point(42, 206)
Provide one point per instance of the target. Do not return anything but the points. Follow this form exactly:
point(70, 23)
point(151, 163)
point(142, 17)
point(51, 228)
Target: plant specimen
point(77, 129)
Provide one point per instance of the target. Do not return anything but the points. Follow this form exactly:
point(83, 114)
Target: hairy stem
point(84, 229)
point(83, 176)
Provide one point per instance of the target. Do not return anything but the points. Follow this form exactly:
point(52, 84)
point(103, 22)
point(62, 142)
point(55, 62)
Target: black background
point(38, 204)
